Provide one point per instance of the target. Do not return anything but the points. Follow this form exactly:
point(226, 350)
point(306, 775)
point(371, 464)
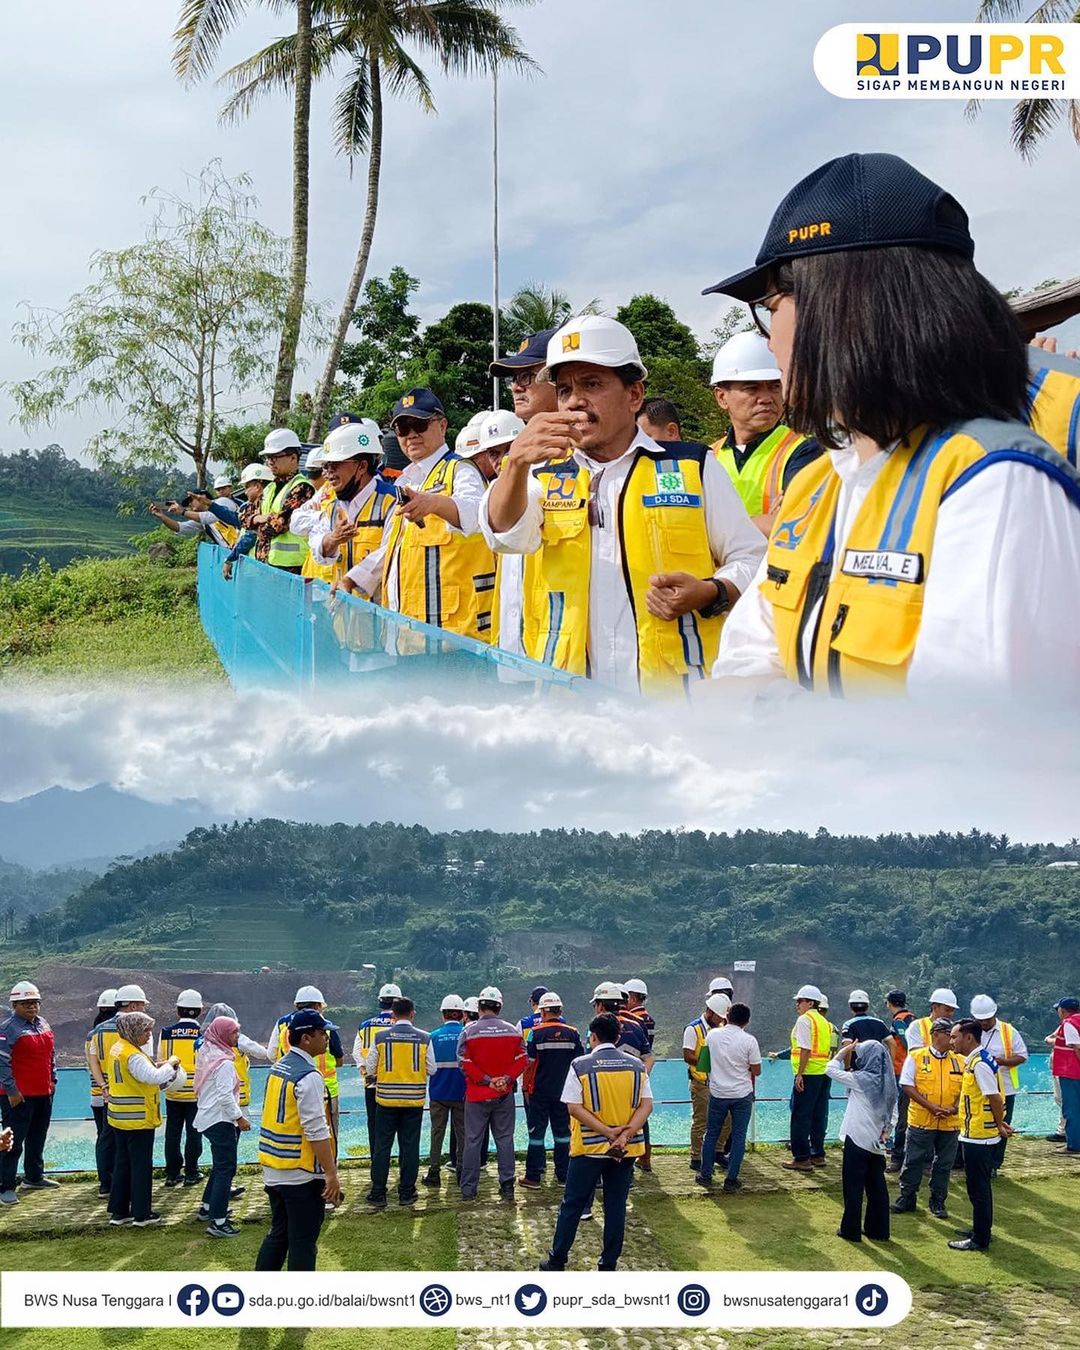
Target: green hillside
point(32, 531)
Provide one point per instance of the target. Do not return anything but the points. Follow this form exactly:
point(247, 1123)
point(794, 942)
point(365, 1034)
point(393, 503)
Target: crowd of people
point(873, 517)
point(931, 1093)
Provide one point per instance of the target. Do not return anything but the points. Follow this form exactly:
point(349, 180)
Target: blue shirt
point(447, 1083)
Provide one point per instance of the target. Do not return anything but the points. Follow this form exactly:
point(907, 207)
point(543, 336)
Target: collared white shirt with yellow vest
point(612, 641)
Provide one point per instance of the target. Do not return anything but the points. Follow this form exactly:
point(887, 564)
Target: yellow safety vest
point(401, 1065)
point(132, 1105)
point(445, 579)
point(760, 481)
point(369, 523)
point(611, 1084)
point(976, 1118)
point(924, 1024)
point(940, 1082)
point(324, 499)
point(243, 1072)
point(286, 550)
point(870, 611)
point(1054, 401)
point(366, 1031)
point(102, 1042)
point(325, 1063)
point(283, 1146)
point(1007, 1033)
point(661, 527)
point(701, 1034)
point(175, 1041)
point(820, 1041)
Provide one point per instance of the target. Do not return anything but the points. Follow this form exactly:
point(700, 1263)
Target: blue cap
point(855, 202)
point(1068, 1004)
point(538, 993)
point(532, 352)
point(417, 403)
point(307, 1019)
point(342, 419)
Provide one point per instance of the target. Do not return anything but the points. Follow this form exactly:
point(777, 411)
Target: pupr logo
point(877, 53)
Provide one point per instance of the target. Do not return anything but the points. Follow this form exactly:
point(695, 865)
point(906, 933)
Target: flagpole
point(495, 230)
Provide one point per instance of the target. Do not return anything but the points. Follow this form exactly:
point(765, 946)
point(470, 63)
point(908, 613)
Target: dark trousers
point(29, 1122)
point(862, 1177)
point(978, 1166)
point(104, 1148)
point(935, 1149)
point(583, 1175)
point(720, 1108)
point(403, 1124)
point(296, 1216)
point(133, 1175)
point(498, 1115)
point(370, 1107)
point(222, 1138)
point(900, 1133)
point(443, 1114)
point(540, 1112)
point(810, 1117)
point(180, 1116)
point(999, 1147)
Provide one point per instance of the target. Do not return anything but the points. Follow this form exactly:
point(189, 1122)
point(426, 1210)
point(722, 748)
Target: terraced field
point(30, 531)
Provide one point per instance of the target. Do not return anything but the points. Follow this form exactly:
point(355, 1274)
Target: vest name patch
point(883, 565)
point(563, 503)
point(672, 499)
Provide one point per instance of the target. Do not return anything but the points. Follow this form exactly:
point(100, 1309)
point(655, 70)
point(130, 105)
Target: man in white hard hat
point(365, 1039)
point(253, 481)
point(982, 1127)
point(695, 1034)
point(634, 551)
point(309, 998)
point(446, 1091)
point(810, 1053)
point(943, 1005)
point(103, 1036)
point(178, 1038)
point(27, 1088)
point(401, 1065)
point(105, 1143)
point(350, 512)
point(1001, 1040)
point(432, 564)
point(276, 544)
point(637, 993)
point(492, 1057)
point(551, 1045)
point(759, 452)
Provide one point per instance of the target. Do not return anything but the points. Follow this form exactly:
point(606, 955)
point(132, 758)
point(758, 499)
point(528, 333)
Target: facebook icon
point(193, 1300)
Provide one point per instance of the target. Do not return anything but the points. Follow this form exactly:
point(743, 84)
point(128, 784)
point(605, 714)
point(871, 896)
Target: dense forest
point(51, 475)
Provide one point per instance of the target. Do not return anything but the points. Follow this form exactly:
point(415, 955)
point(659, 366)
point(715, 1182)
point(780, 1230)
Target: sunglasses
point(410, 426)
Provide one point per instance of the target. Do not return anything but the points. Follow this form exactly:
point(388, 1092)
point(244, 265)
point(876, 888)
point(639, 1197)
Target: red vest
point(32, 1055)
point(1064, 1061)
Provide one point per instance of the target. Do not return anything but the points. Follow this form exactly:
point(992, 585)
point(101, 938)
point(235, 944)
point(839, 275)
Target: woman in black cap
point(939, 540)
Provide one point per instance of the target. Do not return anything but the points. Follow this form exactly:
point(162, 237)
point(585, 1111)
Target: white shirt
point(736, 546)
point(212, 525)
point(144, 1070)
point(252, 1049)
point(468, 491)
point(310, 1103)
point(804, 1033)
point(322, 524)
point(371, 1059)
point(217, 1100)
point(731, 1053)
point(1001, 602)
point(307, 515)
point(993, 1045)
point(987, 1083)
point(860, 1124)
point(511, 582)
point(1072, 1035)
point(689, 1037)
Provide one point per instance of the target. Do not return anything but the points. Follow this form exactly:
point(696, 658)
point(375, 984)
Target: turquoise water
point(71, 1139)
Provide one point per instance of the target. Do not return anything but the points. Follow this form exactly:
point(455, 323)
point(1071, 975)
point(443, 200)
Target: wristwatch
point(720, 605)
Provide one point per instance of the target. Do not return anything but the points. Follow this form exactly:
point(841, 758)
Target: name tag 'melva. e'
point(883, 566)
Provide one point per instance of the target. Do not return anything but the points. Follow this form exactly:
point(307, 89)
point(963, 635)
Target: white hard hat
point(107, 998)
point(809, 991)
point(314, 459)
point(467, 441)
point(189, 998)
point(596, 340)
point(495, 430)
point(352, 439)
point(307, 993)
point(945, 996)
point(472, 1003)
point(607, 992)
point(982, 1005)
point(390, 991)
point(452, 1003)
point(490, 995)
point(550, 1000)
point(223, 480)
point(636, 986)
point(280, 439)
point(721, 985)
point(823, 1002)
point(745, 356)
point(858, 996)
point(130, 993)
point(24, 989)
point(256, 473)
point(720, 1004)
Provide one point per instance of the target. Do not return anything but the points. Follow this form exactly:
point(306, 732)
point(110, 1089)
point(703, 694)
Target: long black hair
point(889, 338)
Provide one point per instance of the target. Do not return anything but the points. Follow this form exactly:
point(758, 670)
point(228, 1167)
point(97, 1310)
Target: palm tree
point(532, 308)
point(203, 25)
point(373, 37)
point(1033, 118)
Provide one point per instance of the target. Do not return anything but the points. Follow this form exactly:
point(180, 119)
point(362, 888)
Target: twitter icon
point(530, 1300)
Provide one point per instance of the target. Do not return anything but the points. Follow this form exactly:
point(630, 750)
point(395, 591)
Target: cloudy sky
point(584, 761)
point(649, 155)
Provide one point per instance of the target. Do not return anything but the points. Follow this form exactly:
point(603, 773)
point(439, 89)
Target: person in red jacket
point(27, 1085)
point(492, 1058)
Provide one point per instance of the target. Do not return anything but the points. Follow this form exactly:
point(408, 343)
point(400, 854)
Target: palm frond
point(199, 34)
point(996, 11)
point(1031, 120)
point(468, 37)
point(272, 69)
point(403, 76)
point(1055, 11)
point(1074, 119)
point(352, 113)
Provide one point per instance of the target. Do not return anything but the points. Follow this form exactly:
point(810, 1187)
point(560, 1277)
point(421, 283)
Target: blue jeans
point(740, 1108)
point(582, 1177)
point(1070, 1109)
point(223, 1139)
point(541, 1112)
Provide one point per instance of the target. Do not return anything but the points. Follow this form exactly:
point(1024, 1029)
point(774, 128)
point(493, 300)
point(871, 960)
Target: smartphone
point(402, 495)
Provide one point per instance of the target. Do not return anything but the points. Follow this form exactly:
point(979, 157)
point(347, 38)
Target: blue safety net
point(271, 629)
